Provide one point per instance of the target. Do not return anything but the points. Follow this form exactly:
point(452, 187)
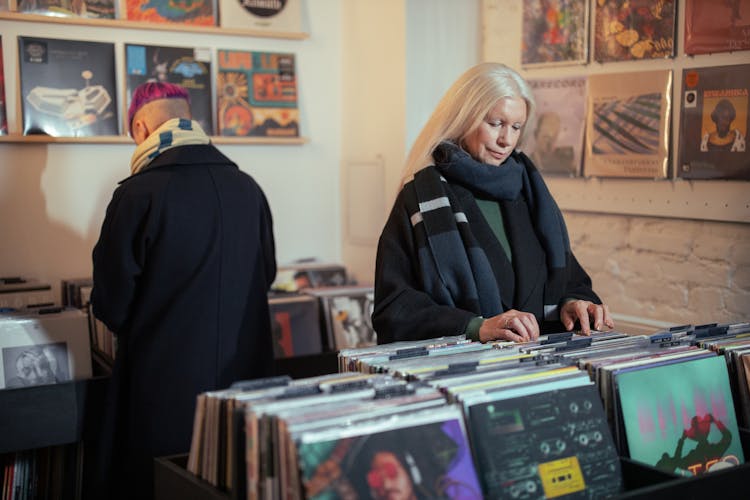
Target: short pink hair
point(152, 91)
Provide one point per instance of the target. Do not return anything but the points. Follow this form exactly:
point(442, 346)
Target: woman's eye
point(516, 127)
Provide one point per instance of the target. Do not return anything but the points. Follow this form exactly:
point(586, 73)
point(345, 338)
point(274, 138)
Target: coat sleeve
point(579, 283)
point(119, 257)
point(403, 311)
point(267, 241)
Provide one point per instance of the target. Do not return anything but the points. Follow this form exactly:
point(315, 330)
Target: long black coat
point(404, 311)
point(181, 274)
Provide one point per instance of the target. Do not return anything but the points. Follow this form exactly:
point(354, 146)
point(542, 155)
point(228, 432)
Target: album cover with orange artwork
point(257, 94)
point(199, 12)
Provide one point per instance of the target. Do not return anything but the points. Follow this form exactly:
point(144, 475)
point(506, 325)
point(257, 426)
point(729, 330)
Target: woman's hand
point(517, 326)
point(587, 313)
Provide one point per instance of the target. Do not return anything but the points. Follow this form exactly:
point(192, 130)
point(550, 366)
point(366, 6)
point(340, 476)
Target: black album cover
point(295, 324)
point(67, 87)
point(714, 123)
point(545, 445)
point(188, 67)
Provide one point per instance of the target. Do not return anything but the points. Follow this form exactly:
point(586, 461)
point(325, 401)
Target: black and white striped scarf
point(455, 270)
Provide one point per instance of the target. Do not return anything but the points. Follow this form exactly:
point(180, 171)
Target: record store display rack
point(606, 416)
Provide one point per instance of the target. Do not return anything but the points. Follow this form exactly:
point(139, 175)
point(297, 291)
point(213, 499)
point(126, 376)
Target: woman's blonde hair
point(463, 107)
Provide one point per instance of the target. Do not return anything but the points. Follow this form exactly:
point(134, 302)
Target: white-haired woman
point(475, 244)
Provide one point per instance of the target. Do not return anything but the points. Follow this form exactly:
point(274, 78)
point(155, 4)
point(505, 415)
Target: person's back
point(181, 273)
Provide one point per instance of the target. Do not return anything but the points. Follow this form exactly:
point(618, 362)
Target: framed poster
point(714, 123)
point(554, 32)
point(67, 87)
point(257, 94)
point(627, 124)
point(716, 26)
point(185, 66)
point(556, 143)
point(634, 30)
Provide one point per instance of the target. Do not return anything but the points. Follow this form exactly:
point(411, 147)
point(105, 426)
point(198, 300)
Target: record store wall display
point(68, 87)
point(713, 130)
point(263, 15)
point(627, 125)
point(188, 67)
point(554, 32)
point(556, 141)
point(257, 94)
point(716, 26)
point(627, 31)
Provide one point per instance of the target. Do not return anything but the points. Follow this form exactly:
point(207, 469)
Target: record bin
point(172, 480)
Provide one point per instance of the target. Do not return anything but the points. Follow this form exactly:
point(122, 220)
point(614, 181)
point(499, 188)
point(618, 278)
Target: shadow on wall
point(34, 245)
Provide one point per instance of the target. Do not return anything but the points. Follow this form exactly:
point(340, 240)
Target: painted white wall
point(53, 196)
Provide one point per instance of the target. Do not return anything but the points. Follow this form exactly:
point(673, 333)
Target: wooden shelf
point(125, 24)
point(123, 139)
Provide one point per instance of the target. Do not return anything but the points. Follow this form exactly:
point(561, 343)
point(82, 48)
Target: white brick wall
point(674, 270)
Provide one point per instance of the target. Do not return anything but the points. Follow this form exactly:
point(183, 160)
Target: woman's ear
point(139, 130)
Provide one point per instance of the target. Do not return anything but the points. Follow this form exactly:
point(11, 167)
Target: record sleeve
point(185, 66)
point(295, 324)
point(714, 123)
point(554, 32)
point(556, 145)
point(263, 15)
point(3, 115)
point(545, 445)
point(627, 124)
point(634, 30)
point(68, 87)
point(257, 94)
point(429, 458)
point(680, 417)
point(198, 12)
point(347, 312)
point(298, 276)
point(102, 9)
point(716, 26)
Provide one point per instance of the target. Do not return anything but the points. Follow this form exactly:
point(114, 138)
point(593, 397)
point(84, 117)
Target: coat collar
point(194, 154)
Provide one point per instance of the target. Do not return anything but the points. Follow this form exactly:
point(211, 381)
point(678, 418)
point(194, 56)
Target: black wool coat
point(181, 273)
point(404, 311)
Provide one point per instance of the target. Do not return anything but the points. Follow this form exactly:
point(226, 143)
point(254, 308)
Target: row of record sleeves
point(451, 418)
point(68, 88)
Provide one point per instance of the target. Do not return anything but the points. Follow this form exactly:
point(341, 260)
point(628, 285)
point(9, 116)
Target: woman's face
point(388, 479)
point(497, 135)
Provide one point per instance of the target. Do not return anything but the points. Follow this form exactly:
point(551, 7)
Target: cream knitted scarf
point(172, 133)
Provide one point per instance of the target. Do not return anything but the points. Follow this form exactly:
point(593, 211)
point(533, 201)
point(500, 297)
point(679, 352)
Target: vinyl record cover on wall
point(627, 124)
point(67, 87)
point(556, 145)
point(198, 12)
point(714, 123)
point(257, 94)
point(554, 32)
point(102, 9)
point(185, 66)
point(634, 30)
point(716, 26)
point(264, 15)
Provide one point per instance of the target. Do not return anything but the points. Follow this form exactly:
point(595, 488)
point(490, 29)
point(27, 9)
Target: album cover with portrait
point(346, 312)
point(716, 26)
point(715, 103)
point(627, 124)
point(102, 9)
point(428, 459)
point(185, 66)
point(635, 30)
point(197, 12)
point(68, 87)
point(262, 15)
point(680, 417)
point(555, 145)
point(257, 94)
point(554, 32)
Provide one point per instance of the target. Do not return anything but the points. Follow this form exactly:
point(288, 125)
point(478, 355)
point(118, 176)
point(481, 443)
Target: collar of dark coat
point(192, 154)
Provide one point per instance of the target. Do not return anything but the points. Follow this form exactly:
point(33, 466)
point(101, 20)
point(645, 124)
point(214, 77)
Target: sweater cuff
point(472, 329)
